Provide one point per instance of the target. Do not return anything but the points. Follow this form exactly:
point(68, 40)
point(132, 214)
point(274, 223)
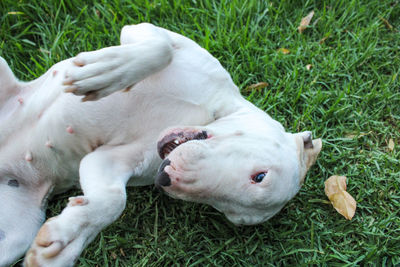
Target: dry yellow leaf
point(387, 24)
point(324, 39)
point(44, 51)
point(335, 184)
point(257, 86)
point(391, 144)
point(122, 252)
point(308, 66)
point(15, 13)
point(284, 51)
point(305, 22)
point(343, 202)
point(357, 135)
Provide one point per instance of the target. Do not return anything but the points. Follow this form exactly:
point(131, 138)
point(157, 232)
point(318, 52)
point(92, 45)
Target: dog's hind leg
point(100, 73)
point(103, 176)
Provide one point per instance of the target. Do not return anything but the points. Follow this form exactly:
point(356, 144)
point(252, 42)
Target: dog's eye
point(259, 177)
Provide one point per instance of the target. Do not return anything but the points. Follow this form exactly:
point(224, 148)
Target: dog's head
point(244, 165)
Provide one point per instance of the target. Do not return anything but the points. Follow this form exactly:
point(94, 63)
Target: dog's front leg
point(145, 51)
point(103, 176)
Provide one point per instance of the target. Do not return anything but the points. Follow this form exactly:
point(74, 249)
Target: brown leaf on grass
point(324, 39)
point(122, 252)
point(391, 144)
point(387, 24)
point(284, 50)
point(343, 202)
point(357, 135)
point(305, 22)
point(44, 51)
point(256, 86)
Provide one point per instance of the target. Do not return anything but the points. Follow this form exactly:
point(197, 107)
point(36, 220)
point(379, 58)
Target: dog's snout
point(163, 177)
point(164, 164)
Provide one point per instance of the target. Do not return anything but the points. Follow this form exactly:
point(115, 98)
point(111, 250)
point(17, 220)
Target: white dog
point(156, 91)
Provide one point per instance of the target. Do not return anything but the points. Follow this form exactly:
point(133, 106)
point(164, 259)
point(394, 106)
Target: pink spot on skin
point(70, 130)
point(20, 100)
point(49, 144)
point(28, 156)
point(55, 73)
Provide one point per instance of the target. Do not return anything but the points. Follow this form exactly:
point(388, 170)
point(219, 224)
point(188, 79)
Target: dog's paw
point(100, 73)
point(61, 239)
point(53, 246)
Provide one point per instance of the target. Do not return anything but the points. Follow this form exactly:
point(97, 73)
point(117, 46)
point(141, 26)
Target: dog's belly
point(76, 128)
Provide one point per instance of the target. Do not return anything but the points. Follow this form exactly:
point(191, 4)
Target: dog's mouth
point(172, 140)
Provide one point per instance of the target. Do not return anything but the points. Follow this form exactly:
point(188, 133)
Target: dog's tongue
point(174, 139)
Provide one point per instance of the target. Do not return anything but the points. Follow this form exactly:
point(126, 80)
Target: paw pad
point(77, 201)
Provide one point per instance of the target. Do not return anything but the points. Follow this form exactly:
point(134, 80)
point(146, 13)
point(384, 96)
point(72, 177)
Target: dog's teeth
point(171, 146)
point(28, 156)
point(176, 141)
point(70, 130)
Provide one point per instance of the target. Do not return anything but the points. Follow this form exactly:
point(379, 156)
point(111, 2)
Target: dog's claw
point(78, 62)
point(71, 89)
point(67, 81)
point(90, 97)
point(127, 89)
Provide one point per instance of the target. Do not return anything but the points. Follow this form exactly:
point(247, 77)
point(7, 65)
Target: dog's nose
point(162, 178)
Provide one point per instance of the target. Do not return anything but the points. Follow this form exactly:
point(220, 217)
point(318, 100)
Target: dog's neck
point(240, 113)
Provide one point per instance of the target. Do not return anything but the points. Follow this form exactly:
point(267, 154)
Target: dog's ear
point(307, 151)
point(8, 83)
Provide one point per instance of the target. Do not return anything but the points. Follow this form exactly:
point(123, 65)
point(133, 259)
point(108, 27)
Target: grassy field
point(350, 97)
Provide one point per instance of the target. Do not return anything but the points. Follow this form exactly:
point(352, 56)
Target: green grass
point(350, 98)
